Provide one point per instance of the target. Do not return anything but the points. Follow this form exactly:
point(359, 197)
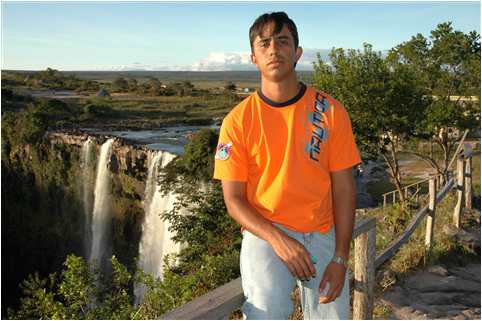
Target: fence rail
point(219, 303)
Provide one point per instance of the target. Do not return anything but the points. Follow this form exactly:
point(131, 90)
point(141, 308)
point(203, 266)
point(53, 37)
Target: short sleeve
point(343, 152)
point(230, 161)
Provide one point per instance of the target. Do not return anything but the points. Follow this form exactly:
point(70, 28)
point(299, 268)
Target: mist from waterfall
point(88, 175)
point(156, 240)
point(101, 215)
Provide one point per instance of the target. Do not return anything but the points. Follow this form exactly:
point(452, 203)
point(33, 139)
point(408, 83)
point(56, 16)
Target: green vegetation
point(209, 259)
point(409, 95)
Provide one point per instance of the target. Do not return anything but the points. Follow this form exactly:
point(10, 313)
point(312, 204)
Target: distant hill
point(235, 76)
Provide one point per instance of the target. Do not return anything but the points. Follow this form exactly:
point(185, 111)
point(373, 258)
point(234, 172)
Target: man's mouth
point(275, 62)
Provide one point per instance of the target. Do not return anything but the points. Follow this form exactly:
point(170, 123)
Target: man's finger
point(309, 264)
point(298, 270)
point(291, 269)
point(305, 268)
point(334, 293)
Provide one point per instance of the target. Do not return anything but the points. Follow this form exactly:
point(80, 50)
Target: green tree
point(79, 293)
point(230, 86)
point(132, 83)
point(209, 229)
point(448, 65)
point(385, 101)
point(120, 85)
point(154, 86)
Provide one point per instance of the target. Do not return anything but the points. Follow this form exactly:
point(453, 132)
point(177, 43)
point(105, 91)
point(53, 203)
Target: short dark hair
point(280, 19)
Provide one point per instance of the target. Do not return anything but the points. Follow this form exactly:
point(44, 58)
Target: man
point(285, 158)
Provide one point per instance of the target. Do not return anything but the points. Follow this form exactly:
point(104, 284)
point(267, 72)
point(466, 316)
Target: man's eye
point(265, 44)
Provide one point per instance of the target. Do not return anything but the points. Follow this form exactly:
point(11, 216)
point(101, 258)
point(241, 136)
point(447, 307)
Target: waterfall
point(88, 172)
point(101, 213)
point(156, 239)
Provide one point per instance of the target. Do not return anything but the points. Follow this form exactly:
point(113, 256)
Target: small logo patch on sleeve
point(223, 151)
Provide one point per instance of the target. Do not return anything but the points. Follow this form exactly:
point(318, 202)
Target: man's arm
point(344, 204)
point(291, 252)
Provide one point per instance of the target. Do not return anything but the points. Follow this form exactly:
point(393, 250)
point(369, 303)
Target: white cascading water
point(156, 239)
point(88, 174)
point(101, 214)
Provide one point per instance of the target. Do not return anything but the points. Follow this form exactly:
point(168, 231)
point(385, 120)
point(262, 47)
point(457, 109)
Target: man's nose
point(273, 47)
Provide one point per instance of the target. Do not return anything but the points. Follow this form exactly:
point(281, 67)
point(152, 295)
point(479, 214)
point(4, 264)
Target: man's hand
point(335, 275)
point(291, 252)
point(294, 255)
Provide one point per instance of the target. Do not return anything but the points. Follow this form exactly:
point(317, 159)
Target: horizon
point(166, 36)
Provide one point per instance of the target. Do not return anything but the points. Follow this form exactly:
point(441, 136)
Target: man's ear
point(299, 52)
point(253, 59)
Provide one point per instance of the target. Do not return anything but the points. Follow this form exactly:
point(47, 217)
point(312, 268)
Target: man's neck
point(280, 91)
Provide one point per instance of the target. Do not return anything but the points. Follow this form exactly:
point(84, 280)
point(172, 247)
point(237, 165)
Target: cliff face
point(127, 159)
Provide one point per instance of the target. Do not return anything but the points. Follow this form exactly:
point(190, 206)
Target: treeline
point(55, 80)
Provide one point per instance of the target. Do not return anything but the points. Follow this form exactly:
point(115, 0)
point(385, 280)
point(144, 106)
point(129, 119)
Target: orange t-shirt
point(285, 153)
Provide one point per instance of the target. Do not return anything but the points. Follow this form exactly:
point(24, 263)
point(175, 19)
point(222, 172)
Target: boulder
point(470, 272)
point(438, 270)
point(397, 297)
point(439, 298)
point(428, 282)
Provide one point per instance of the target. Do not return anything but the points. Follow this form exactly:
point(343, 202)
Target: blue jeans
point(267, 282)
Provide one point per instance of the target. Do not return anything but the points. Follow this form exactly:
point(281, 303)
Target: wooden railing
point(219, 303)
point(412, 190)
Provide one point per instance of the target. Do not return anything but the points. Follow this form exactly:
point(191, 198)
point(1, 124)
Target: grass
point(135, 112)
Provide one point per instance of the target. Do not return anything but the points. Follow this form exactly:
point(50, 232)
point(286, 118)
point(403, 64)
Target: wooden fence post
point(365, 254)
point(384, 200)
point(468, 182)
point(394, 197)
point(460, 192)
point(431, 215)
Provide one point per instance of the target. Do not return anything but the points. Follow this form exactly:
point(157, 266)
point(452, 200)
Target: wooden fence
point(219, 303)
point(413, 190)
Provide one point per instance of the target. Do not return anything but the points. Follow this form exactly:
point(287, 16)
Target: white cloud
point(220, 61)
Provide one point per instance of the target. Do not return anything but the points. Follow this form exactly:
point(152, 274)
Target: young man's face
point(275, 55)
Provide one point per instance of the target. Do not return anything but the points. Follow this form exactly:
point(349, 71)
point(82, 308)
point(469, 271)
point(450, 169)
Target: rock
point(438, 270)
point(428, 282)
point(113, 164)
point(471, 314)
point(458, 317)
point(449, 309)
point(450, 230)
point(470, 300)
point(439, 298)
point(396, 297)
point(471, 239)
point(409, 313)
point(471, 272)
point(426, 309)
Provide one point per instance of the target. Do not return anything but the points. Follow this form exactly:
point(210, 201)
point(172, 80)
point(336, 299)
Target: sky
point(203, 36)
